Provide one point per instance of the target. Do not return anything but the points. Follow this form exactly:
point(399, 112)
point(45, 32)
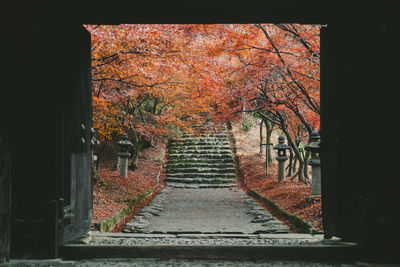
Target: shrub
point(247, 123)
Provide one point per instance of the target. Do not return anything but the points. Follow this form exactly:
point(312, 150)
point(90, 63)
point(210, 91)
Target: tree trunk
point(134, 151)
point(290, 165)
point(268, 126)
point(294, 164)
point(261, 137)
point(266, 160)
point(296, 151)
point(306, 158)
point(301, 170)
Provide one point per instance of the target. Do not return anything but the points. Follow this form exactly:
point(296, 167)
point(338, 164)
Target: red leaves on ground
point(114, 192)
point(292, 196)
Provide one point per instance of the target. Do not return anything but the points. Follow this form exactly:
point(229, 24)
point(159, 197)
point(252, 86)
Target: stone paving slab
point(133, 239)
point(199, 211)
point(197, 186)
point(99, 235)
point(205, 241)
point(177, 262)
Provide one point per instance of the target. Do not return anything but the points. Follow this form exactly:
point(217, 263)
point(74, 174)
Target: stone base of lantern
point(316, 176)
point(123, 164)
point(281, 167)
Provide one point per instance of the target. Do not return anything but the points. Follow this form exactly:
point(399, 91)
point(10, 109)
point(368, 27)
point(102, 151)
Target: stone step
point(199, 161)
point(199, 156)
point(225, 251)
point(201, 137)
point(205, 139)
point(214, 129)
point(195, 186)
point(202, 175)
point(200, 165)
point(200, 151)
point(205, 136)
point(199, 143)
point(200, 170)
point(209, 130)
point(203, 147)
point(199, 180)
point(202, 140)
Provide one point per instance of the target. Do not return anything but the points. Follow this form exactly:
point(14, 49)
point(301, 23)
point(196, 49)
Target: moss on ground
point(108, 224)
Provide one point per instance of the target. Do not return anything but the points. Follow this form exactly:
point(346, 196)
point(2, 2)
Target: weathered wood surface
point(5, 183)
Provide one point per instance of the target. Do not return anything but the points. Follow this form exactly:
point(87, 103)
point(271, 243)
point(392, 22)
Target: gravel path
point(222, 210)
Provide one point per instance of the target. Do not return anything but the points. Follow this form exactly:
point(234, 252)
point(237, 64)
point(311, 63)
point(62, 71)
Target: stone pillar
point(281, 148)
point(315, 162)
point(281, 167)
point(123, 155)
point(123, 163)
point(316, 176)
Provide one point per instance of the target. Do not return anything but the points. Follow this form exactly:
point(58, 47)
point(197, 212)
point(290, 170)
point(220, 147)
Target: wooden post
point(5, 194)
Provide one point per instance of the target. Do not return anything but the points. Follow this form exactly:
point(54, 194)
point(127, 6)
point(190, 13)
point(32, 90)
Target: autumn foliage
point(149, 77)
point(156, 80)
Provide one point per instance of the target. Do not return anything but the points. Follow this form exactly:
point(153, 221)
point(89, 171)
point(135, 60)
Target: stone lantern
point(315, 162)
point(124, 144)
point(281, 148)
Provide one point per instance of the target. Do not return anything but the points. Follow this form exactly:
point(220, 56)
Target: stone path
point(203, 219)
point(200, 215)
point(202, 195)
point(197, 211)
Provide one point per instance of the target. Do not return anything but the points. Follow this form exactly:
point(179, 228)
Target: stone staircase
point(201, 162)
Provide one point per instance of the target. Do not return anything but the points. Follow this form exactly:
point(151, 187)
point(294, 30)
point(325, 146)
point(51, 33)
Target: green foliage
point(256, 115)
point(176, 132)
point(247, 123)
point(108, 224)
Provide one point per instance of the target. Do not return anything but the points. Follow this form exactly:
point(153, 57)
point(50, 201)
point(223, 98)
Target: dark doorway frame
point(355, 206)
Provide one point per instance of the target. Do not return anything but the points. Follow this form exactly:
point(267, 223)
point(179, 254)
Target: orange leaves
point(277, 70)
point(171, 75)
point(105, 120)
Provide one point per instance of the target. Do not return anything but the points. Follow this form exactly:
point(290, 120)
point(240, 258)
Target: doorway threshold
point(216, 246)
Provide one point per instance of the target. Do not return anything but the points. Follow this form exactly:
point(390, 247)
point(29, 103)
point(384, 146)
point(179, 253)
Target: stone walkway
point(202, 195)
point(199, 211)
point(200, 219)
